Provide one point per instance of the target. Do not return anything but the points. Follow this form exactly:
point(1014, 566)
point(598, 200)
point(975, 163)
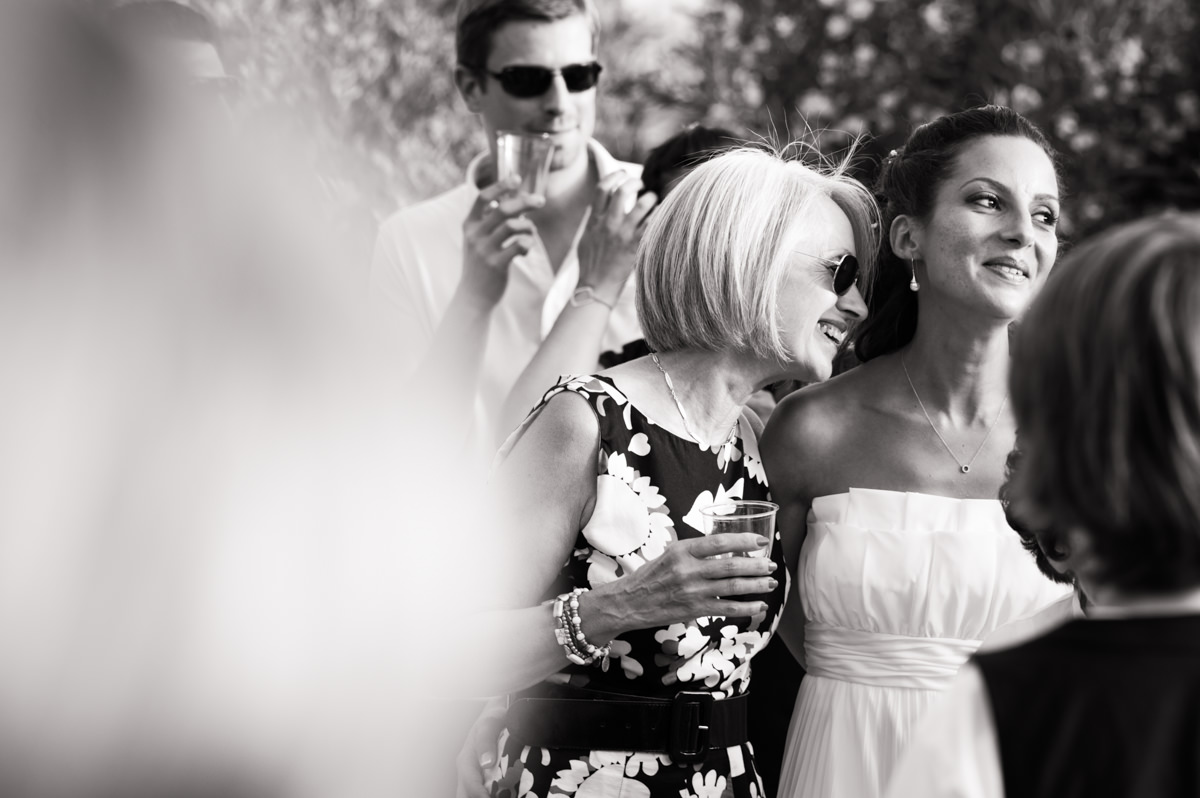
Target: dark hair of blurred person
point(1029, 538)
point(1114, 448)
point(671, 160)
point(908, 186)
point(1106, 390)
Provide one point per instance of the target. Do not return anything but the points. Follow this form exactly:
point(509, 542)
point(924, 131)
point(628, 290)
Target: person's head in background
point(531, 66)
point(970, 210)
point(1106, 393)
point(180, 38)
point(667, 163)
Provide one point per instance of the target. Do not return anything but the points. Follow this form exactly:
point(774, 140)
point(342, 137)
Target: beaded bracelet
point(562, 632)
point(569, 633)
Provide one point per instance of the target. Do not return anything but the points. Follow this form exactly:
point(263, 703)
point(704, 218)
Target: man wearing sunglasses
point(492, 294)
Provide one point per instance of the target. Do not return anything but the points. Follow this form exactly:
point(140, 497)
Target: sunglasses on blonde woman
point(843, 269)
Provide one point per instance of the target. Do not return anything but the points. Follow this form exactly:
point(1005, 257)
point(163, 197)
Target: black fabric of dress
point(1100, 708)
point(650, 489)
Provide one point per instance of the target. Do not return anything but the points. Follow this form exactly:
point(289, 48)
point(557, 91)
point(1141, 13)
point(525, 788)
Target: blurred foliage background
point(1113, 82)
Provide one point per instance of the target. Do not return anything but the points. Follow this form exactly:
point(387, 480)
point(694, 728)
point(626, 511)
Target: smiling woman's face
point(812, 318)
point(990, 239)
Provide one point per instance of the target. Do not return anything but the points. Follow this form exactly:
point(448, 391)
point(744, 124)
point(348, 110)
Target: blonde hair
point(714, 253)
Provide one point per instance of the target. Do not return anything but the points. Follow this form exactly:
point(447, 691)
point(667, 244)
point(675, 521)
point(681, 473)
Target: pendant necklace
point(679, 406)
point(963, 467)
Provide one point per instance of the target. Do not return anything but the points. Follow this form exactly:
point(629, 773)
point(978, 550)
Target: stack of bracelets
point(569, 634)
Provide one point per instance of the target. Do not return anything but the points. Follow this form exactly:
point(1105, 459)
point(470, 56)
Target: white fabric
point(1022, 630)
point(417, 267)
point(954, 752)
point(897, 590)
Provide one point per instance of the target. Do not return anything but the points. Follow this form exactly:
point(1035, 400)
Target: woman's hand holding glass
point(690, 580)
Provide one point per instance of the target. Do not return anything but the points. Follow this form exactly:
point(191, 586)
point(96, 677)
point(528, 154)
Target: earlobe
point(469, 86)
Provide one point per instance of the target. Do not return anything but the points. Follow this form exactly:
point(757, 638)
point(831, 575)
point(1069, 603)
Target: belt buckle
point(691, 716)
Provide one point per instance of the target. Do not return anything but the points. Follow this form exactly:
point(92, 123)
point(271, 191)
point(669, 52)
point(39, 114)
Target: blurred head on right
point(1106, 391)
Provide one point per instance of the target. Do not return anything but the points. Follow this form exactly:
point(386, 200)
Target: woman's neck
point(959, 369)
point(712, 388)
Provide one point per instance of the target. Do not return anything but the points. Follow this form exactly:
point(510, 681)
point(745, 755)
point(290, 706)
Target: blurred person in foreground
point(183, 41)
point(1106, 390)
point(637, 673)
point(205, 496)
point(489, 295)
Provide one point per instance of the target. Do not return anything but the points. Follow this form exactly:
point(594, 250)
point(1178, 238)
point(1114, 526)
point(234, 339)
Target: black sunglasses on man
point(525, 82)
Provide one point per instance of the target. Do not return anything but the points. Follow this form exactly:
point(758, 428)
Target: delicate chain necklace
point(963, 467)
point(679, 406)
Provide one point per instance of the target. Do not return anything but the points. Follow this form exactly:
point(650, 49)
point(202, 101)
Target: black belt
point(686, 727)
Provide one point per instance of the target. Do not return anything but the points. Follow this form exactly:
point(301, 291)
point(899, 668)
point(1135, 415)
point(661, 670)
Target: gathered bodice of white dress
point(898, 589)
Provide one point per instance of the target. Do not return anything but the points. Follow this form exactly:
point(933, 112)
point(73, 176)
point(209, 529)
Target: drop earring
point(913, 285)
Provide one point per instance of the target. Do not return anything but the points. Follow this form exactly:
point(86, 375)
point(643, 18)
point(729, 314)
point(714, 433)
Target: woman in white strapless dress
point(887, 475)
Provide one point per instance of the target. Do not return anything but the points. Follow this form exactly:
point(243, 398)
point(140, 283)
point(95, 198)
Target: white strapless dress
point(898, 590)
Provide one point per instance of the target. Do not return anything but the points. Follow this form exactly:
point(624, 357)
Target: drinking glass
point(737, 515)
point(524, 159)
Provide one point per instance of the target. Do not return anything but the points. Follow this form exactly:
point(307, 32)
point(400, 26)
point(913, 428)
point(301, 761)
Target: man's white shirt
point(417, 267)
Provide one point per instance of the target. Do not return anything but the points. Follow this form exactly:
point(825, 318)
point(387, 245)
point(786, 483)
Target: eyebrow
point(1004, 189)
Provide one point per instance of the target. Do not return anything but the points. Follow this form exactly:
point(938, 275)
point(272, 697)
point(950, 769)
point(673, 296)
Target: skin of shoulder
point(807, 428)
point(545, 490)
point(805, 443)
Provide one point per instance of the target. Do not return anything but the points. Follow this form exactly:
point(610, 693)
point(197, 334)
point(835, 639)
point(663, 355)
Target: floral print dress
point(650, 488)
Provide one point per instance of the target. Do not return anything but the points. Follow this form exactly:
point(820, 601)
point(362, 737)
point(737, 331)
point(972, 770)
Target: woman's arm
point(793, 444)
point(546, 493)
point(606, 256)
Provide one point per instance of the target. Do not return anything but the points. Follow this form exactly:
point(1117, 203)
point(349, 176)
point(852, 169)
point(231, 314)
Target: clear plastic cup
point(524, 159)
point(737, 515)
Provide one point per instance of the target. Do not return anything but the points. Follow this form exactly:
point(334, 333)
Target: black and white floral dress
point(650, 488)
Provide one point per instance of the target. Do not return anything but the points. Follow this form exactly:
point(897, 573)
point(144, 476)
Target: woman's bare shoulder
point(820, 411)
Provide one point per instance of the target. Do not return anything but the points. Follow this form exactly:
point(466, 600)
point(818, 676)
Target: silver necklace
point(963, 467)
point(679, 406)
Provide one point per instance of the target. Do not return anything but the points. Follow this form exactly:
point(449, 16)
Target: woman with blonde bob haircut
point(634, 632)
point(1106, 391)
point(705, 284)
